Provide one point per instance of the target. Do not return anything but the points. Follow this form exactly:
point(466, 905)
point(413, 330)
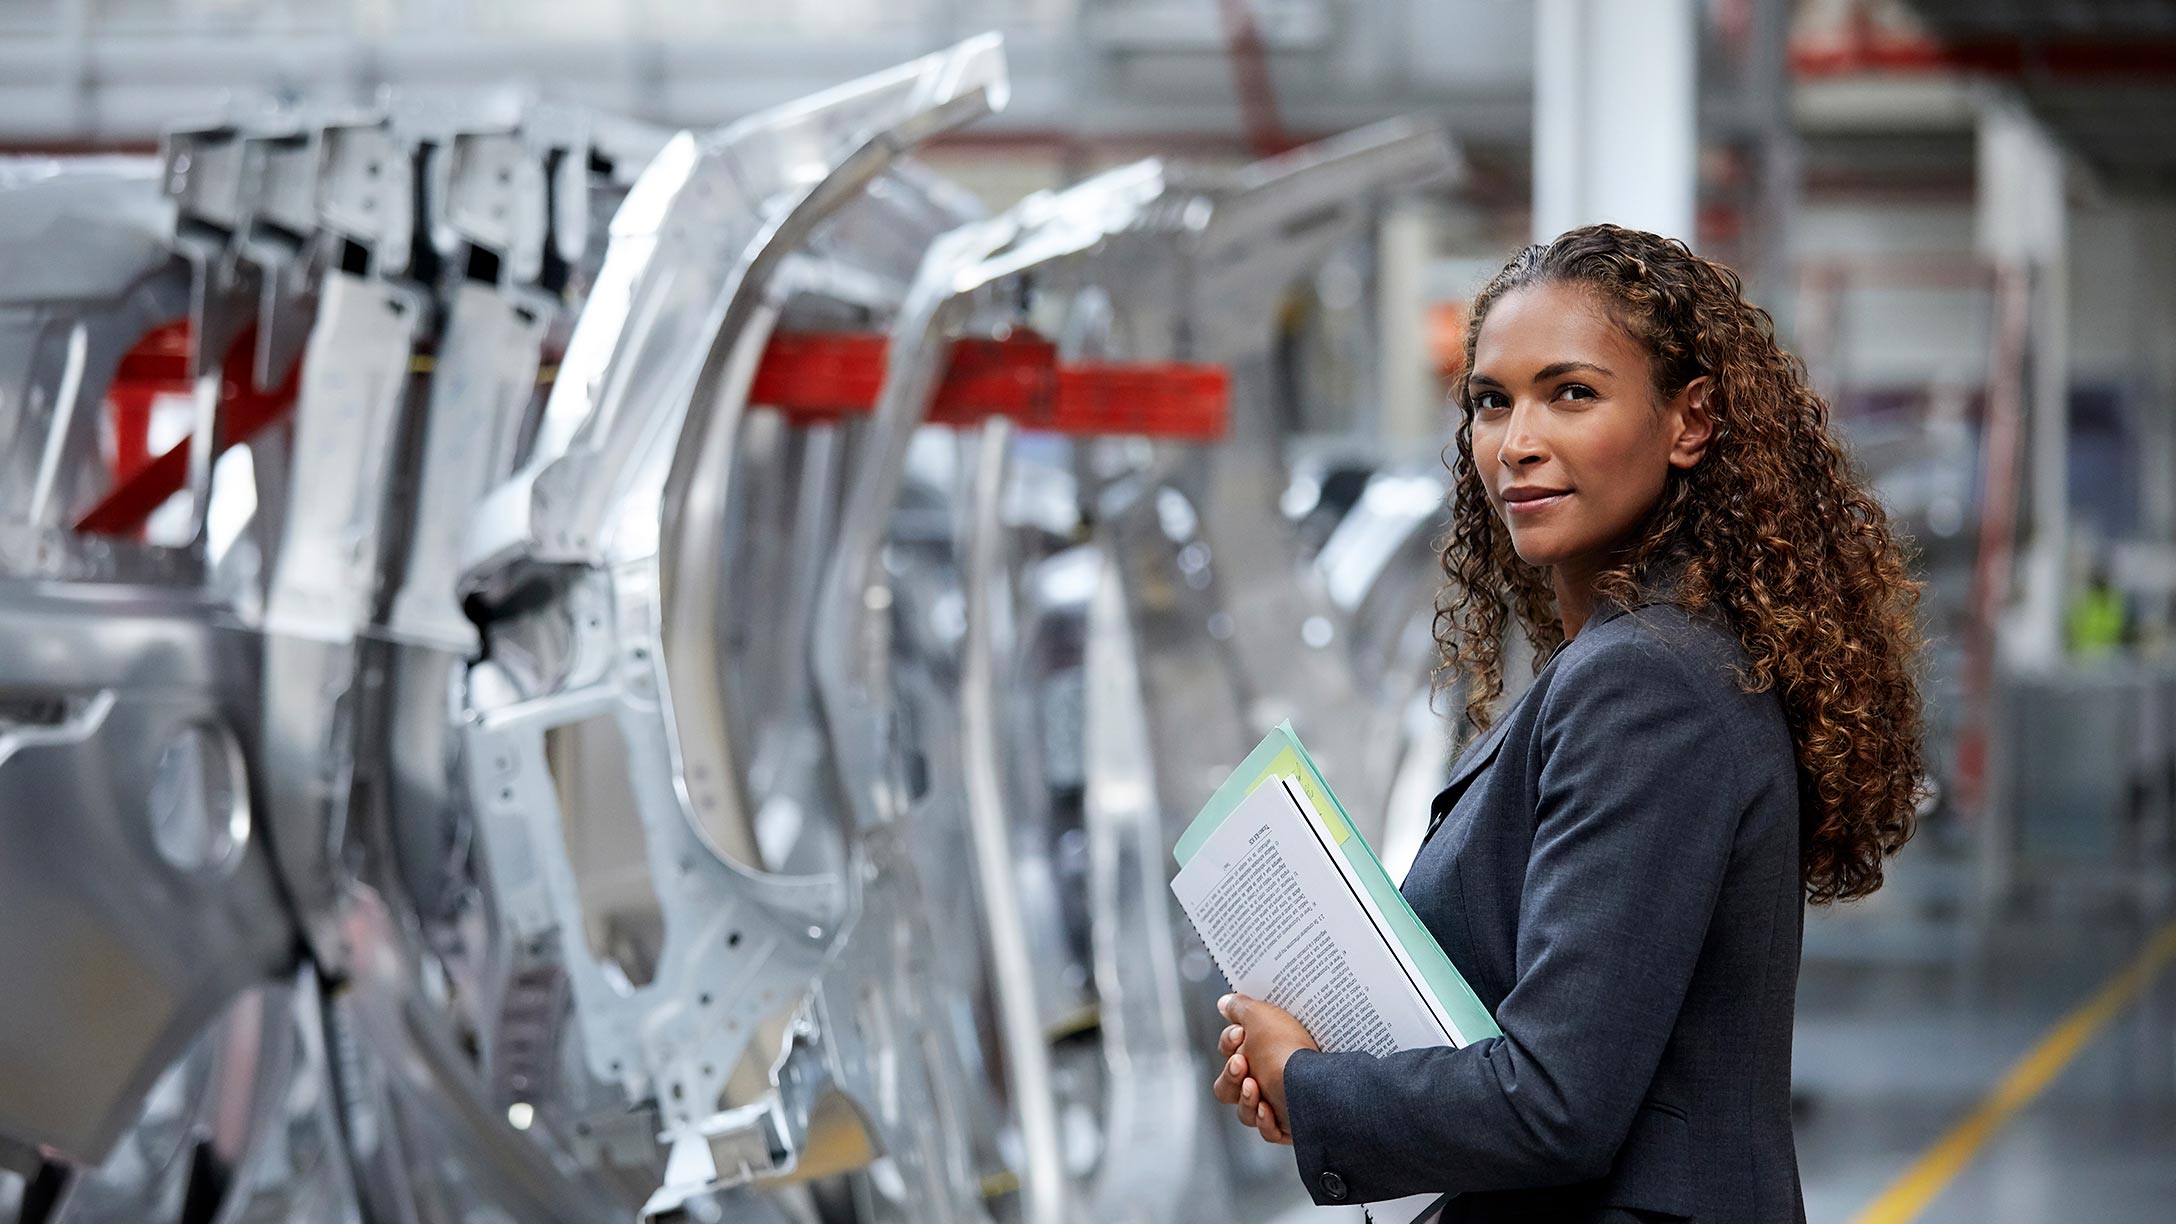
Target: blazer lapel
point(1469, 764)
point(1479, 752)
point(1483, 750)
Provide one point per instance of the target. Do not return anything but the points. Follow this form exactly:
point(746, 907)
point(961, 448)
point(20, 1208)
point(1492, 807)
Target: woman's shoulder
point(1665, 662)
point(1664, 641)
point(1663, 657)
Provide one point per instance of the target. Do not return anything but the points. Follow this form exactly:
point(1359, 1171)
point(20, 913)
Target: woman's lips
point(1535, 505)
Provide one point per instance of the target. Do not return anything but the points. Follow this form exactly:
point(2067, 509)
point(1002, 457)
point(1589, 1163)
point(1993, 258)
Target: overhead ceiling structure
point(2100, 73)
point(1100, 75)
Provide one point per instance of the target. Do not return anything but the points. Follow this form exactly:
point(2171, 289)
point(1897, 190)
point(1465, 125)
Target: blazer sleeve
point(1639, 801)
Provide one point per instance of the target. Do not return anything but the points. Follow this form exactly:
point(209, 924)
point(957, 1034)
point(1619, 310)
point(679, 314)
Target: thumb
point(1234, 1007)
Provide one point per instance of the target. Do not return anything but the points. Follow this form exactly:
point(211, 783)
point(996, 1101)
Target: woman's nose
point(1521, 445)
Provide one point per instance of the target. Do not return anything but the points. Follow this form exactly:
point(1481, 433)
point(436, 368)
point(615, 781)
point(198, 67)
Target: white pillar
point(1412, 406)
point(1616, 125)
point(2023, 224)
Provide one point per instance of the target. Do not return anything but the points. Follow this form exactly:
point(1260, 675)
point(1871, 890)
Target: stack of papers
point(1295, 909)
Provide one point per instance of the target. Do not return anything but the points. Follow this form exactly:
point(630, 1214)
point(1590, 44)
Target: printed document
point(1295, 909)
point(1285, 925)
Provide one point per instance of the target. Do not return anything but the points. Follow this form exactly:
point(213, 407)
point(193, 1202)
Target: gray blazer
point(1615, 869)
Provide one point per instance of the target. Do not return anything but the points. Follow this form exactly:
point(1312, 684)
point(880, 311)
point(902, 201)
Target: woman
point(1726, 726)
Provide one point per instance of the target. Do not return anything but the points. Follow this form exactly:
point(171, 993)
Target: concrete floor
point(1904, 1029)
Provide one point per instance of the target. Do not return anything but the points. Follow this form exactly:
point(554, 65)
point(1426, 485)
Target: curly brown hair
point(1771, 529)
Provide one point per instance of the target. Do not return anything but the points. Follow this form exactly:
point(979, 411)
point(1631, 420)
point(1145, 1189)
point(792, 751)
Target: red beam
point(819, 376)
point(2066, 58)
point(812, 377)
point(244, 413)
point(824, 377)
point(162, 356)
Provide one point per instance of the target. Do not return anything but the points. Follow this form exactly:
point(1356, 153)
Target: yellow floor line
point(1918, 1186)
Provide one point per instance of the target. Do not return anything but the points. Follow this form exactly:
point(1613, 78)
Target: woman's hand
point(1261, 1038)
point(1235, 1087)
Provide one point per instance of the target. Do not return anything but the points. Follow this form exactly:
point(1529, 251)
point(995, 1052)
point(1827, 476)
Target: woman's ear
point(1692, 425)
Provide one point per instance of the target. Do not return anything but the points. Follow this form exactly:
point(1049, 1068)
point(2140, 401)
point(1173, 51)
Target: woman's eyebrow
point(1555, 369)
point(1558, 369)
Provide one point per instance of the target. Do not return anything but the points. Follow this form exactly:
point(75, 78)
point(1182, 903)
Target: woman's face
point(1568, 437)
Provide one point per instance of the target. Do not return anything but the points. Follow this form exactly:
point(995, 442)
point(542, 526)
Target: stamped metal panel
point(83, 229)
point(57, 555)
point(962, 270)
point(857, 263)
point(481, 387)
point(738, 945)
point(975, 274)
point(325, 574)
point(497, 197)
point(513, 216)
point(325, 580)
point(1161, 1157)
point(507, 184)
point(658, 366)
point(237, 1128)
point(366, 189)
point(692, 250)
point(480, 391)
point(1225, 629)
point(744, 586)
point(133, 872)
point(281, 161)
point(213, 202)
point(519, 175)
point(89, 271)
point(1381, 568)
point(983, 685)
point(1224, 251)
point(427, 1142)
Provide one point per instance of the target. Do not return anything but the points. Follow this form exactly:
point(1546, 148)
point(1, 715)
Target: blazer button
point(1333, 1186)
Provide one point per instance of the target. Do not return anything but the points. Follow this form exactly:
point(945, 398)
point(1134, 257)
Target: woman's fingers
point(1265, 1115)
point(1260, 1114)
point(1225, 1089)
point(1234, 1086)
point(1252, 1109)
point(1234, 1037)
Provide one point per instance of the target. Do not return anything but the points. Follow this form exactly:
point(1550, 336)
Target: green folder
point(1280, 754)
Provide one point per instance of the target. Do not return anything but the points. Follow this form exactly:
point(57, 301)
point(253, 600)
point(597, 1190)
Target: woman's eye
point(1490, 401)
point(1575, 391)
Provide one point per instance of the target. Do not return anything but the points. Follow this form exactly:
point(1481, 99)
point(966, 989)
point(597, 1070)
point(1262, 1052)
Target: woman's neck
point(1575, 579)
point(1574, 596)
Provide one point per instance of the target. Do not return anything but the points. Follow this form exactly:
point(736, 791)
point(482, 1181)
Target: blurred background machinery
point(607, 611)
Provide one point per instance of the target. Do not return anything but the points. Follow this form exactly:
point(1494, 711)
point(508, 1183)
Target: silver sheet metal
point(658, 367)
point(634, 804)
point(133, 865)
point(69, 310)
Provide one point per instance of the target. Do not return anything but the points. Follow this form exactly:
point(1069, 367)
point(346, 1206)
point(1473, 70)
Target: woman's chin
point(1536, 553)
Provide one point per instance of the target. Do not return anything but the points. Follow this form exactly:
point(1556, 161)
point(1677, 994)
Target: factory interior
point(612, 610)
